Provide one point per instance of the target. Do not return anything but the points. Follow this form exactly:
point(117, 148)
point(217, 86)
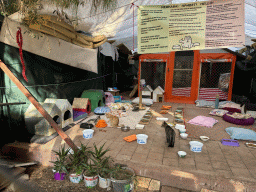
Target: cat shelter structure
point(187, 76)
point(59, 109)
point(81, 106)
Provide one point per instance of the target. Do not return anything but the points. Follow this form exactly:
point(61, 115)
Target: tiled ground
point(161, 162)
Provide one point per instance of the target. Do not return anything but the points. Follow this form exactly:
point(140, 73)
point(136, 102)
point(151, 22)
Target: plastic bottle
point(217, 102)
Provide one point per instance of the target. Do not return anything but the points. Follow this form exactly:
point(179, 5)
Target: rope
point(20, 42)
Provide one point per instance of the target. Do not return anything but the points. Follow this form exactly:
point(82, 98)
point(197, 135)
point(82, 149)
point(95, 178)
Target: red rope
point(20, 42)
point(133, 22)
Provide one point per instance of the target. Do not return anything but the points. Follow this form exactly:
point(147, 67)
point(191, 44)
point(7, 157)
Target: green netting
point(46, 79)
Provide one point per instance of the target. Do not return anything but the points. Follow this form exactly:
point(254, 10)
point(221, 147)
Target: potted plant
point(76, 163)
point(123, 178)
point(60, 165)
point(90, 175)
point(102, 164)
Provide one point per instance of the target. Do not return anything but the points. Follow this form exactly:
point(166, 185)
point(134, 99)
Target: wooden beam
point(38, 106)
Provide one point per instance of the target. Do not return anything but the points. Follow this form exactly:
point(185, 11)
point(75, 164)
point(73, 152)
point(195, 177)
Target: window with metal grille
point(153, 73)
point(182, 74)
point(212, 81)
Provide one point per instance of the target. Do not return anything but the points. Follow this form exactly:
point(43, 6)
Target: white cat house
point(147, 92)
point(59, 109)
point(66, 110)
point(158, 94)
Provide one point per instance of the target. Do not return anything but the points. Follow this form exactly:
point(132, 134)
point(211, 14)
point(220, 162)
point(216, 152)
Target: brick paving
point(156, 160)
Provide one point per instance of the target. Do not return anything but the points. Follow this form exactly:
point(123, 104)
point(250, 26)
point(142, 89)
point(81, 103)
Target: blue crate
point(117, 99)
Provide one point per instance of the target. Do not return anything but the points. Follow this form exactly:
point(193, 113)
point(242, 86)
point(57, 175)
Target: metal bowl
point(125, 128)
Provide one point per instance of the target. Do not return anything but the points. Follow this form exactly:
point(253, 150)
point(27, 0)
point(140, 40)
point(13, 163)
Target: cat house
point(33, 119)
point(158, 94)
point(147, 92)
point(81, 106)
point(96, 97)
point(65, 108)
point(59, 109)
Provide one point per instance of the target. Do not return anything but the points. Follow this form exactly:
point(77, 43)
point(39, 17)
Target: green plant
point(120, 173)
point(90, 170)
point(98, 154)
point(60, 165)
point(78, 159)
point(101, 162)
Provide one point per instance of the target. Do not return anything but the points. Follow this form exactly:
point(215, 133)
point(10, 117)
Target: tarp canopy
point(121, 23)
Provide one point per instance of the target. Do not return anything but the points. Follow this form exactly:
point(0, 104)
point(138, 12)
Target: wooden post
point(38, 106)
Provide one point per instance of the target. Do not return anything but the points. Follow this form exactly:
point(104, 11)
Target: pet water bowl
point(182, 130)
point(196, 146)
point(142, 138)
point(182, 153)
point(125, 128)
point(184, 135)
point(88, 133)
point(204, 138)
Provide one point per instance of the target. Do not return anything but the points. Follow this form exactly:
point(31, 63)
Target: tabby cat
point(114, 120)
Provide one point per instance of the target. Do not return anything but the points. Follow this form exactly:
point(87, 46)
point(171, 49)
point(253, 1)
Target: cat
point(170, 134)
point(114, 120)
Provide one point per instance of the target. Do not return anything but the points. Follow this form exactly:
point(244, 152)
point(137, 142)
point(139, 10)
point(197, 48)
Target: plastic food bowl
point(184, 135)
point(182, 130)
point(204, 138)
point(182, 153)
point(142, 138)
point(196, 146)
point(88, 133)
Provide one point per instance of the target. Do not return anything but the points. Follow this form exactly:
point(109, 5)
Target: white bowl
point(204, 138)
point(179, 126)
point(182, 153)
point(182, 130)
point(184, 135)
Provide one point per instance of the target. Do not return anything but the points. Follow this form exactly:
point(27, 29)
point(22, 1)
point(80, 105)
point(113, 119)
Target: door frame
point(163, 57)
point(194, 82)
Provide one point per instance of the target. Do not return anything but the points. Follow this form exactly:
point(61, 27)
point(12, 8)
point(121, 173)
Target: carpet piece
point(203, 121)
point(131, 119)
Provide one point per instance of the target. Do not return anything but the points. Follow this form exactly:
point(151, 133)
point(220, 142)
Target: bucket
point(88, 133)
point(196, 146)
point(59, 176)
point(74, 178)
point(104, 182)
point(90, 182)
point(123, 185)
point(142, 138)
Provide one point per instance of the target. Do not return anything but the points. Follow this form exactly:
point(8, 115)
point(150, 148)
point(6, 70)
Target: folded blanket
point(239, 115)
point(211, 104)
point(203, 121)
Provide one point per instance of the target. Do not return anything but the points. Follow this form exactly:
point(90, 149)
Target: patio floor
point(217, 167)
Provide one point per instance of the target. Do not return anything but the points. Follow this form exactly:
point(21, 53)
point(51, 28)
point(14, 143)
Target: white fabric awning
point(49, 47)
